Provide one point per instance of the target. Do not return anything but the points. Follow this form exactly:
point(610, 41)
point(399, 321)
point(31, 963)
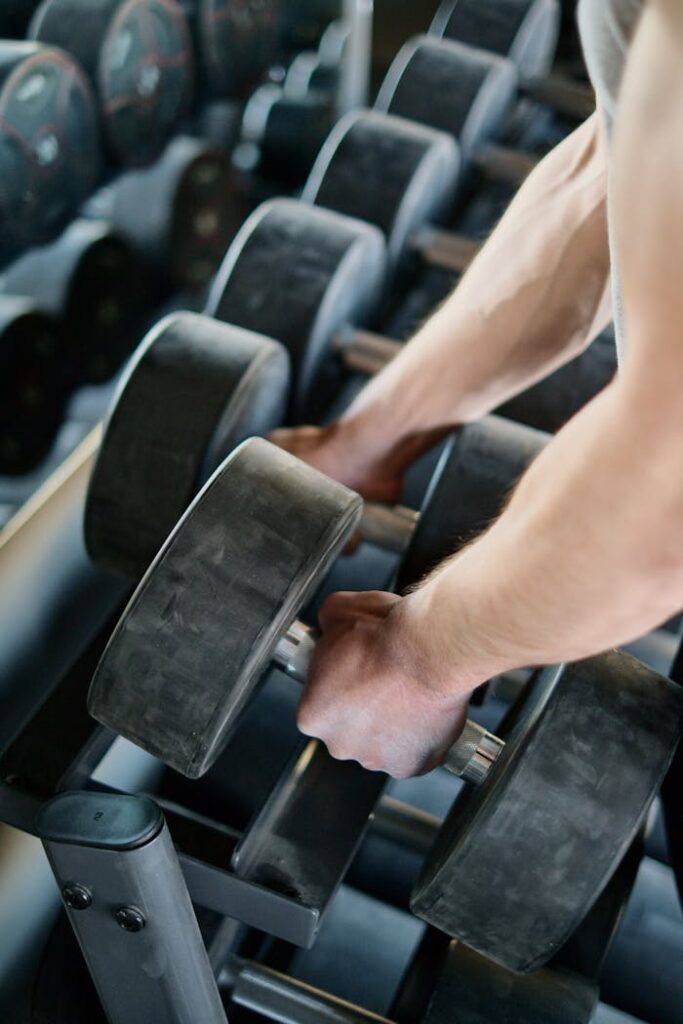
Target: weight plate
point(106, 305)
point(484, 992)
point(194, 391)
point(291, 132)
point(49, 158)
point(408, 174)
point(334, 43)
point(526, 31)
point(33, 389)
point(218, 123)
point(589, 946)
point(138, 56)
point(476, 474)
point(304, 22)
point(179, 214)
point(521, 859)
point(92, 280)
point(299, 274)
point(203, 624)
point(238, 42)
point(206, 215)
point(452, 87)
point(307, 75)
point(549, 404)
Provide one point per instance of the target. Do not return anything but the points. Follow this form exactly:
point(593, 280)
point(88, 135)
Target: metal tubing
point(444, 249)
point(405, 825)
point(288, 1001)
point(572, 99)
point(354, 86)
point(364, 351)
point(53, 600)
point(389, 527)
point(507, 166)
point(128, 904)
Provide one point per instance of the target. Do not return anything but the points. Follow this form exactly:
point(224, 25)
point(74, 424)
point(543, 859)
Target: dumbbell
point(282, 135)
point(81, 831)
point(464, 91)
point(520, 860)
point(366, 161)
point(303, 22)
point(33, 389)
point(549, 404)
point(379, 165)
point(218, 122)
point(400, 176)
point(300, 274)
point(317, 71)
point(92, 281)
point(196, 388)
point(179, 214)
point(192, 392)
point(137, 55)
point(49, 154)
point(525, 32)
point(313, 279)
point(234, 43)
point(480, 991)
point(443, 975)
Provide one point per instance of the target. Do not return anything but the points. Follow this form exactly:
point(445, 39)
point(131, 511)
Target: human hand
point(334, 451)
point(375, 692)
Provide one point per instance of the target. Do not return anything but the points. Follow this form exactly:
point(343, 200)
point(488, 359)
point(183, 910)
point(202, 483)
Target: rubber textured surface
point(236, 42)
point(484, 992)
point(521, 860)
point(195, 390)
point(299, 274)
point(388, 171)
point(525, 30)
point(452, 87)
point(179, 214)
point(138, 56)
point(202, 626)
point(49, 146)
point(94, 281)
point(472, 482)
point(33, 389)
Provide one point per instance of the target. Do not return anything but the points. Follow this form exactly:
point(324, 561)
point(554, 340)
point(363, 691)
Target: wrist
point(379, 443)
point(433, 657)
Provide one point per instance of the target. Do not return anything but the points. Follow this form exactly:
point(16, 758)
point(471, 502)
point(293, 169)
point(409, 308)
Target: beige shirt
point(606, 28)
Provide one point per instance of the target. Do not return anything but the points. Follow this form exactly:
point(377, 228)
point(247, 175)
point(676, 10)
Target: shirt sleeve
point(606, 28)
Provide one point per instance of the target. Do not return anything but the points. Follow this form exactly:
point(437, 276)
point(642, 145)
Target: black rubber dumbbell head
point(194, 390)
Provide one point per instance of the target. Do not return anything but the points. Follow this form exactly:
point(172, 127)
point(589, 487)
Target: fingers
point(297, 441)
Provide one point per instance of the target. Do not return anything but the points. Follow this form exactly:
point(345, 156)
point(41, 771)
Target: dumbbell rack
point(50, 521)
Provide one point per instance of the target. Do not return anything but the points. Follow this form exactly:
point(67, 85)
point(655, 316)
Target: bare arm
point(588, 553)
point(534, 297)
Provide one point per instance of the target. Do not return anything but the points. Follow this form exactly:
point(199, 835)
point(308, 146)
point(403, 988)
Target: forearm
point(587, 555)
point(534, 296)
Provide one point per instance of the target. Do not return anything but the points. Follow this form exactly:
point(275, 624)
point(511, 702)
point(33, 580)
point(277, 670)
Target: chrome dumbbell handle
point(470, 758)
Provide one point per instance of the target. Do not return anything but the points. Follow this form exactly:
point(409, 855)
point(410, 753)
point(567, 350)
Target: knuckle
point(338, 752)
point(307, 722)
